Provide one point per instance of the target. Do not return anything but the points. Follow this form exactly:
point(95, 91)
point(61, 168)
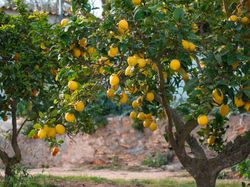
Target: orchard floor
point(58, 177)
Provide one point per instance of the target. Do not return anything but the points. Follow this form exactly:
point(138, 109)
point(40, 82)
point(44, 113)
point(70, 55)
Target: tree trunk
point(205, 180)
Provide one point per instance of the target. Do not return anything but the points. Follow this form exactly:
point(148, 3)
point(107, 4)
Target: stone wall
point(116, 140)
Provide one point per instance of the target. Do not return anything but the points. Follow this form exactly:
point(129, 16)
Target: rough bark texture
point(8, 161)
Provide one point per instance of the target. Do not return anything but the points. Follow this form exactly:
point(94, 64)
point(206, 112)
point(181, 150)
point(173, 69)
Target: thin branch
point(21, 126)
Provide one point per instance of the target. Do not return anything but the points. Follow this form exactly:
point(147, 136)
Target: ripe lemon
point(91, 50)
point(192, 47)
point(244, 20)
point(247, 106)
point(132, 115)
point(136, 2)
point(135, 104)
point(175, 65)
point(147, 123)
point(185, 44)
point(46, 128)
point(76, 52)
point(72, 85)
point(202, 120)
point(149, 116)
point(60, 129)
point(124, 98)
point(153, 126)
point(51, 133)
point(224, 110)
point(238, 102)
point(233, 18)
point(150, 96)
point(83, 42)
point(195, 28)
point(79, 106)
point(211, 140)
point(113, 51)
point(141, 62)
point(129, 71)
point(218, 96)
point(154, 67)
point(110, 93)
point(42, 134)
point(64, 22)
point(114, 80)
point(69, 117)
point(141, 116)
point(132, 60)
point(123, 24)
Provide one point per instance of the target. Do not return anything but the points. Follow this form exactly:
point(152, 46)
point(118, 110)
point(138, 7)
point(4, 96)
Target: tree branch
point(21, 126)
point(233, 153)
point(14, 143)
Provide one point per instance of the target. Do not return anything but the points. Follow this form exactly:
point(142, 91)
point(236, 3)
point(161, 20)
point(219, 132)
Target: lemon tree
point(158, 52)
point(27, 75)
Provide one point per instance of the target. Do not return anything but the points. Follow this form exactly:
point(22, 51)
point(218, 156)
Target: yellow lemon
point(136, 2)
point(114, 80)
point(202, 120)
point(64, 22)
point(150, 96)
point(115, 87)
point(128, 71)
point(244, 20)
point(154, 67)
point(123, 98)
point(135, 104)
point(185, 44)
point(82, 42)
point(132, 115)
point(132, 60)
point(91, 50)
point(233, 18)
point(72, 85)
point(149, 116)
point(224, 110)
point(238, 102)
point(60, 129)
point(141, 62)
point(147, 123)
point(247, 106)
point(195, 28)
point(69, 117)
point(192, 47)
point(211, 140)
point(76, 52)
point(51, 133)
point(46, 128)
point(175, 65)
point(79, 106)
point(141, 116)
point(113, 51)
point(218, 96)
point(110, 93)
point(153, 126)
point(42, 134)
point(123, 24)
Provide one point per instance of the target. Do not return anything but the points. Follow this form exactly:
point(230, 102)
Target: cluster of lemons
point(78, 105)
point(83, 49)
point(244, 20)
point(218, 98)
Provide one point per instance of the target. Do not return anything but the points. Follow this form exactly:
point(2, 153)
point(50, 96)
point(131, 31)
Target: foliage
point(243, 168)
point(160, 159)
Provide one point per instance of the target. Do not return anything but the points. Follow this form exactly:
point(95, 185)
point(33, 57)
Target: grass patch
point(56, 181)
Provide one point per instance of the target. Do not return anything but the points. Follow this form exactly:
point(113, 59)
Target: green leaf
point(178, 14)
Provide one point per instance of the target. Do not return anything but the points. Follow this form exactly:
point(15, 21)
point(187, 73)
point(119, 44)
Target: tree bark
point(205, 180)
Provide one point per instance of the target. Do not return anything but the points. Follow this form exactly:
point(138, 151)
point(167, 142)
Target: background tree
point(27, 74)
